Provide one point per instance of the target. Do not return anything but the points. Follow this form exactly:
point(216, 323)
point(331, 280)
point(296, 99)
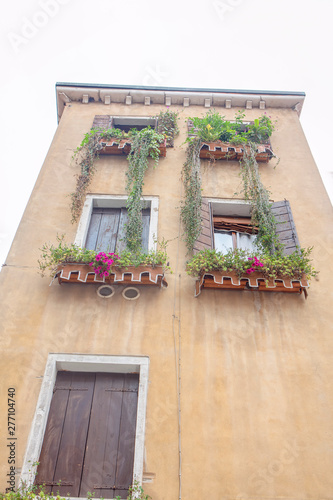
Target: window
point(103, 219)
point(233, 232)
point(107, 229)
point(226, 225)
point(124, 123)
point(90, 434)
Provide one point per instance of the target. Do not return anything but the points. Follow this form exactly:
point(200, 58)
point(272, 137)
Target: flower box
point(116, 146)
point(253, 282)
point(83, 274)
point(226, 151)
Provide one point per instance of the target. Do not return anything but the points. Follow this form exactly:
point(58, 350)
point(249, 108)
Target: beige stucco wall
point(256, 391)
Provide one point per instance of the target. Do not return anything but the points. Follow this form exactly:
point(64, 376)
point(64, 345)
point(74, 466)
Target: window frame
point(285, 225)
point(134, 121)
point(228, 208)
point(116, 201)
point(85, 363)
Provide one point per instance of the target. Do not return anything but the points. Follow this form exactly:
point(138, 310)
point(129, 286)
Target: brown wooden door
point(90, 435)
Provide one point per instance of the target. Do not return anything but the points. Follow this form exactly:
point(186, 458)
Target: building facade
point(213, 390)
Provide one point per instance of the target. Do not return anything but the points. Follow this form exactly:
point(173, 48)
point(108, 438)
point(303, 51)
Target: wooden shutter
point(205, 239)
point(102, 121)
point(103, 229)
point(90, 435)
point(107, 229)
point(62, 455)
point(286, 229)
point(108, 467)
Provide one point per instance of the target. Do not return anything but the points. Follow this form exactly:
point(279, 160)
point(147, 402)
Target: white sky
point(281, 45)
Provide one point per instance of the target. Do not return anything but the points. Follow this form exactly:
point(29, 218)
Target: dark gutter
point(178, 89)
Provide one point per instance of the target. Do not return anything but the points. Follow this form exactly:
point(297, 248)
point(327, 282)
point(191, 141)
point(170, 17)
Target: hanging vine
point(214, 127)
point(191, 207)
point(258, 195)
point(86, 153)
point(84, 156)
point(144, 144)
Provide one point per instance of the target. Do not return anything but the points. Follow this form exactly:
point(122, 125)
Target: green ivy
point(191, 206)
point(144, 144)
point(84, 156)
point(254, 191)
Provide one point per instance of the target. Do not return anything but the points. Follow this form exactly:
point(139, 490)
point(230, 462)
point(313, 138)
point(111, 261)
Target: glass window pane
point(223, 241)
point(246, 241)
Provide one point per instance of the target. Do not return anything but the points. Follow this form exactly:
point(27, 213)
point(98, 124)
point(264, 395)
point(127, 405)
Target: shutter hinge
point(54, 483)
point(109, 487)
point(116, 389)
point(59, 388)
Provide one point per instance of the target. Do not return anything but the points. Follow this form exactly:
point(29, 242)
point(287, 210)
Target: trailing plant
point(86, 153)
point(135, 492)
point(101, 262)
point(168, 125)
point(254, 191)
point(243, 262)
point(84, 156)
point(30, 493)
point(117, 133)
point(191, 206)
point(144, 144)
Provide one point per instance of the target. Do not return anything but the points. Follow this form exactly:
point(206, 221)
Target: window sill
point(123, 147)
point(83, 274)
point(253, 282)
point(226, 151)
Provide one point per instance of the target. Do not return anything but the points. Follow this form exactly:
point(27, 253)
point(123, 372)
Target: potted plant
point(226, 140)
point(71, 264)
point(240, 269)
point(115, 141)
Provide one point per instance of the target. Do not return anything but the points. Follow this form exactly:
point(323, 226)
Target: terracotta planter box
point(122, 147)
point(84, 274)
point(225, 151)
point(253, 282)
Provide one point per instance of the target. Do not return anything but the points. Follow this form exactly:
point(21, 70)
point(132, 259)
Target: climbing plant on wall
point(258, 195)
point(191, 206)
point(144, 144)
point(84, 156)
point(214, 127)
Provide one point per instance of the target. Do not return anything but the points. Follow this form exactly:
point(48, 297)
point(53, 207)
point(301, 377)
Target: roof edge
point(127, 94)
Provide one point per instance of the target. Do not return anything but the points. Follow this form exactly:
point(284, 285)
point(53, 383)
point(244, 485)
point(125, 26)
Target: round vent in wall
point(105, 291)
point(131, 293)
